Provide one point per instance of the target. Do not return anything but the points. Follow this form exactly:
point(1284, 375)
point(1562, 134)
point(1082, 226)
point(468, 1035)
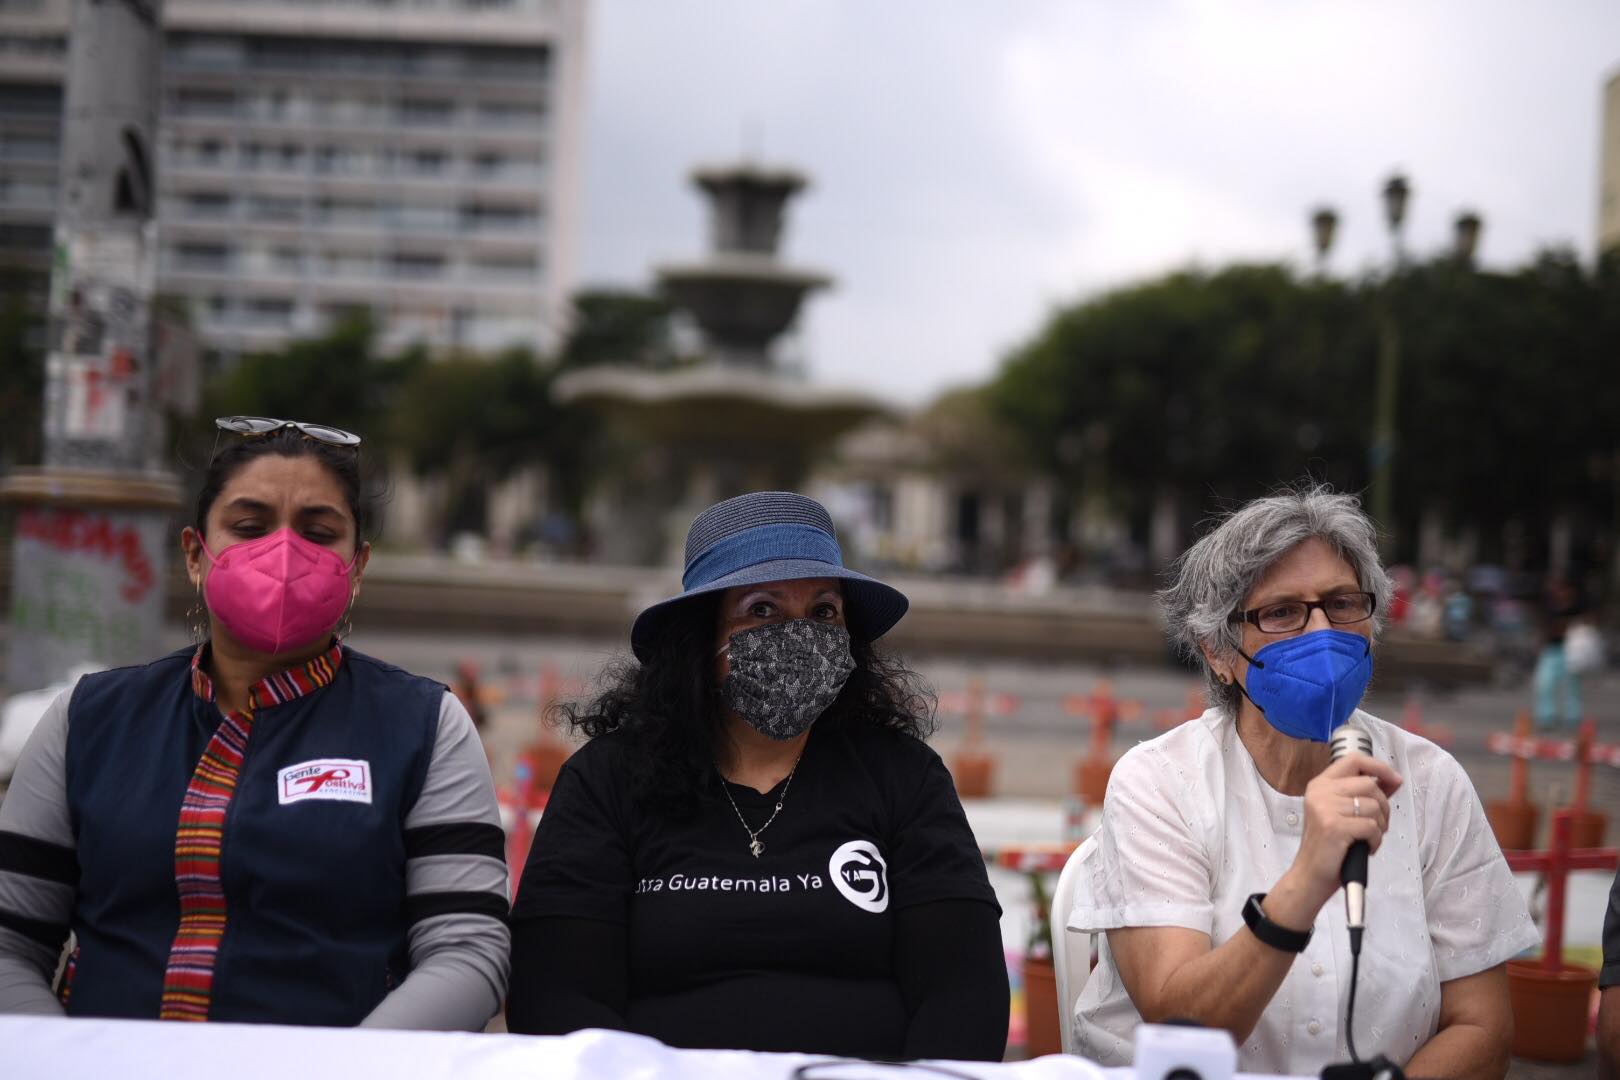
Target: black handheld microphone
point(1346, 739)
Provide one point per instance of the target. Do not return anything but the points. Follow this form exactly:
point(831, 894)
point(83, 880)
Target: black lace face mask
point(784, 675)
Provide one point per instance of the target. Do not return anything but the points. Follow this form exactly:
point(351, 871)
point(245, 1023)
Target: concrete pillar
point(91, 543)
point(1040, 505)
point(1164, 530)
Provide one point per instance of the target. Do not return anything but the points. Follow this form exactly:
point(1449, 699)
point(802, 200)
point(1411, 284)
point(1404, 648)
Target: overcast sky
point(976, 162)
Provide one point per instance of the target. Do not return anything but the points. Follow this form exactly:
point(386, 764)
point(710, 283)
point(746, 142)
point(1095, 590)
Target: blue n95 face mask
point(1308, 685)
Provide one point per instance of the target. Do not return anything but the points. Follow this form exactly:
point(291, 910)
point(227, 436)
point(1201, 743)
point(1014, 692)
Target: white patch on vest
point(338, 779)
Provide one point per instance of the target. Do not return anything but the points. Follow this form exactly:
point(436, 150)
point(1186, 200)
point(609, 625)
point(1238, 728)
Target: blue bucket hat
point(770, 536)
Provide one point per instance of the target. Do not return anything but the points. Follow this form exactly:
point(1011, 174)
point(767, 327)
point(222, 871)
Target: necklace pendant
point(756, 847)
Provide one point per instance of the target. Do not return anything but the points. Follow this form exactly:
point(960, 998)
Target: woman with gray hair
point(1221, 841)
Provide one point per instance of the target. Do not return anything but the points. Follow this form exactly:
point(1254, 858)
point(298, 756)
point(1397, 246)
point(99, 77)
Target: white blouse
point(1190, 830)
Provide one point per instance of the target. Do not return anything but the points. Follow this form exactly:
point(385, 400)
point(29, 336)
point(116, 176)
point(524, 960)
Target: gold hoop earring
point(197, 620)
point(345, 626)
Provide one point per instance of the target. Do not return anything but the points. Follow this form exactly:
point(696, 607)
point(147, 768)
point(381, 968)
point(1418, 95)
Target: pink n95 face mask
point(278, 592)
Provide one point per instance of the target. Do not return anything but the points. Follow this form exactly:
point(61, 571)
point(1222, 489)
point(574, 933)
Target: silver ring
point(1355, 805)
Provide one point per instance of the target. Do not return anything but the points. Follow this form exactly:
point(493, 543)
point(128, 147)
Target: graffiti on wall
point(86, 588)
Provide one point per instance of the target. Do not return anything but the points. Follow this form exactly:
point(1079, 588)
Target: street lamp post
point(1396, 193)
point(1466, 238)
point(1324, 224)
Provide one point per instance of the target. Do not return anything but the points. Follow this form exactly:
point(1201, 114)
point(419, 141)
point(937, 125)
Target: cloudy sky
point(976, 162)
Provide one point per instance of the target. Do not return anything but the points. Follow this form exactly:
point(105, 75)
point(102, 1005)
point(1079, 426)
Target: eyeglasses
point(266, 425)
point(1290, 615)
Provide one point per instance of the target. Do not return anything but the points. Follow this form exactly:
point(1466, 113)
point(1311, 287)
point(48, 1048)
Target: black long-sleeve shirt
point(866, 927)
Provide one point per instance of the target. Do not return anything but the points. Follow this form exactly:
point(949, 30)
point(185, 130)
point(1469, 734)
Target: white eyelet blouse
point(1190, 830)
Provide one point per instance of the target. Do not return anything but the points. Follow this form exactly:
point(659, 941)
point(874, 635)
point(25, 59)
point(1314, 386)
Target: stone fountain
point(739, 418)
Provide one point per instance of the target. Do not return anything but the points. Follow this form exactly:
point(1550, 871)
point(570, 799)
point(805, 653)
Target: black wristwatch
point(1278, 937)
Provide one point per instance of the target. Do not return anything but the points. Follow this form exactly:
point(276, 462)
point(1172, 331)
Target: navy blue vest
point(315, 887)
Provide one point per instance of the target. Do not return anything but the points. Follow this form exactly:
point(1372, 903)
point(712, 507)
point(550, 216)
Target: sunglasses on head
point(267, 425)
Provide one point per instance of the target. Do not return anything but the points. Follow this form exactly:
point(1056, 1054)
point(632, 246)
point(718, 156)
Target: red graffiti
point(76, 530)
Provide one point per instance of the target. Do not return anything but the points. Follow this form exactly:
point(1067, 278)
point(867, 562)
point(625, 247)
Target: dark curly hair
point(666, 711)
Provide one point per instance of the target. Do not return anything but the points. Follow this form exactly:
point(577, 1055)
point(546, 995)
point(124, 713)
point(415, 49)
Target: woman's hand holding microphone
point(1348, 801)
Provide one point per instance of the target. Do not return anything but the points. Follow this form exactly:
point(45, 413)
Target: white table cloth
point(55, 1049)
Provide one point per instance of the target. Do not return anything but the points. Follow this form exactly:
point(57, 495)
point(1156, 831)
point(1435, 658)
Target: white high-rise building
point(418, 158)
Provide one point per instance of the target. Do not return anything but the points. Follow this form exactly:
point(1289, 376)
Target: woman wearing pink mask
point(267, 827)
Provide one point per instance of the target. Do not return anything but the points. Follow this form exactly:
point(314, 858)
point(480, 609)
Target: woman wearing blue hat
point(755, 850)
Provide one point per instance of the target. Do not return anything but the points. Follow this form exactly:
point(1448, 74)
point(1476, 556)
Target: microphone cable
point(1350, 1006)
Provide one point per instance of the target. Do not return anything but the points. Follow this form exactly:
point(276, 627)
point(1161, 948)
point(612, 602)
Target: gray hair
point(1213, 576)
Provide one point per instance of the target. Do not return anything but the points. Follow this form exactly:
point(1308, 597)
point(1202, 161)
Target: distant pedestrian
point(468, 692)
point(1557, 683)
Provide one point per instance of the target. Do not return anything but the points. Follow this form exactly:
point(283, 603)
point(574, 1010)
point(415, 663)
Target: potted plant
point(1552, 998)
point(973, 766)
point(1042, 1030)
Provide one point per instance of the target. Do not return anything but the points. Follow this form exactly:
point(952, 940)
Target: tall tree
point(1195, 385)
point(1205, 387)
point(618, 326)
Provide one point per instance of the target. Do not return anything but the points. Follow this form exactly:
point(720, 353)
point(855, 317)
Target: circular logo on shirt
point(861, 875)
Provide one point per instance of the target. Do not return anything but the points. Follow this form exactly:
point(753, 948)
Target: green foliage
point(474, 420)
point(613, 326)
point(1038, 942)
point(336, 378)
point(1219, 386)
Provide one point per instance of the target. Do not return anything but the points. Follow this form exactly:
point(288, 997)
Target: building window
point(426, 162)
point(518, 268)
point(20, 191)
point(500, 62)
point(203, 51)
point(286, 260)
point(349, 264)
point(346, 212)
point(882, 508)
point(27, 99)
point(284, 54)
point(205, 102)
point(351, 111)
point(479, 216)
point(277, 209)
point(268, 311)
point(415, 217)
point(202, 257)
point(504, 114)
point(426, 111)
point(208, 204)
point(416, 267)
point(15, 146)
